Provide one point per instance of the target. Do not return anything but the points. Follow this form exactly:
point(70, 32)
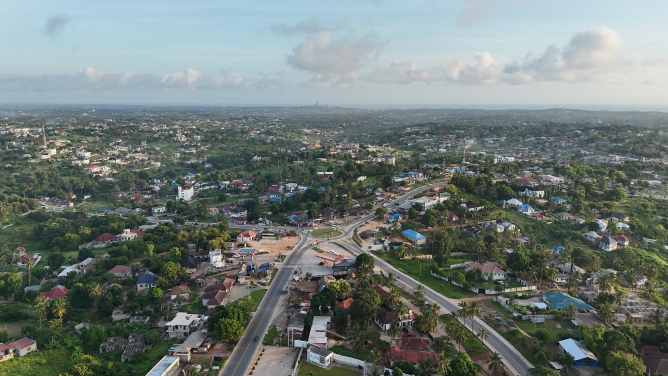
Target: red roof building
point(139, 232)
point(383, 293)
point(22, 343)
point(120, 269)
point(55, 293)
point(410, 342)
point(345, 304)
point(106, 238)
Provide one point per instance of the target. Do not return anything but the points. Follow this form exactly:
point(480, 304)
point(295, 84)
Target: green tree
point(624, 364)
point(542, 371)
point(342, 288)
point(462, 365)
point(228, 330)
point(495, 363)
point(59, 308)
point(10, 284)
point(41, 306)
point(363, 309)
point(364, 265)
point(381, 211)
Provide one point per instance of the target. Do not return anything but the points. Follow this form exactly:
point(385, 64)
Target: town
point(332, 241)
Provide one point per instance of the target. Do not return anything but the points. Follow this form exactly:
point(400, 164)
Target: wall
point(299, 357)
point(487, 292)
point(302, 344)
point(347, 360)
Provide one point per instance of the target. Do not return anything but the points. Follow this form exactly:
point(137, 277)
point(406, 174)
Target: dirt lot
point(275, 361)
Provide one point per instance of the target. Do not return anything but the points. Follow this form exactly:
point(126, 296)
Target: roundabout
point(326, 233)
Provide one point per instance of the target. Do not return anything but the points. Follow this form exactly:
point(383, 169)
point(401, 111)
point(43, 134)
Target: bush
point(542, 334)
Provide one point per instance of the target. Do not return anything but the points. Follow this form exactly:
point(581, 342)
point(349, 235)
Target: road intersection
point(247, 348)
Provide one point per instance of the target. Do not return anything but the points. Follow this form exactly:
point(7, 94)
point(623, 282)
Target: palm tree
point(570, 310)
point(59, 308)
point(657, 316)
point(483, 335)
point(474, 310)
point(464, 311)
point(460, 334)
point(29, 266)
point(539, 351)
point(402, 310)
point(41, 308)
point(373, 357)
point(619, 298)
point(393, 330)
point(389, 279)
point(95, 292)
point(375, 371)
point(443, 364)
point(496, 363)
point(357, 336)
point(478, 248)
point(426, 368)
point(607, 312)
point(393, 296)
point(605, 283)
point(419, 294)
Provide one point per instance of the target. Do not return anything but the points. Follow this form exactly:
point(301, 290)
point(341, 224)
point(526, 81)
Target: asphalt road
point(245, 350)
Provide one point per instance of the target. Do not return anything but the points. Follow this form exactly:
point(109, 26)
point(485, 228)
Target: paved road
point(245, 351)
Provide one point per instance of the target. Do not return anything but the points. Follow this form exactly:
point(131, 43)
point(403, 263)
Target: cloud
point(324, 55)
point(55, 25)
point(90, 79)
point(485, 70)
point(308, 26)
point(594, 55)
point(475, 10)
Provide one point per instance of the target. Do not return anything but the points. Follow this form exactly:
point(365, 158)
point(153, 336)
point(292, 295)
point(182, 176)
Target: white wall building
point(186, 192)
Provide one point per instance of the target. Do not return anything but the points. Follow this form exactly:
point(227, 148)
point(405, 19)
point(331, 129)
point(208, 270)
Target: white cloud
point(308, 26)
point(594, 55)
point(475, 10)
point(97, 80)
point(324, 55)
point(55, 25)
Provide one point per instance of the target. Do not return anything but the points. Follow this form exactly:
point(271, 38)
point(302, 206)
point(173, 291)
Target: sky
point(513, 53)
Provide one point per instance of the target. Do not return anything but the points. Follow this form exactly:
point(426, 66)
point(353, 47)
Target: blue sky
point(376, 52)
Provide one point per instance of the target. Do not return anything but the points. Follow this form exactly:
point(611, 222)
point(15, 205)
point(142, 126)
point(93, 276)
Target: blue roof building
point(146, 281)
point(525, 209)
point(558, 200)
point(321, 189)
point(395, 217)
point(414, 237)
point(560, 300)
point(558, 248)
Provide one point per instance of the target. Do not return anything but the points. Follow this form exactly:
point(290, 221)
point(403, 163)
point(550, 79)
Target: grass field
point(326, 233)
point(269, 338)
point(257, 296)
point(413, 269)
point(44, 363)
point(152, 357)
point(306, 368)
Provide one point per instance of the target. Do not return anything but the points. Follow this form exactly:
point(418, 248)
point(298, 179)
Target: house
point(536, 192)
point(621, 217)
point(6, 352)
point(167, 366)
point(514, 202)
point(216, 258)
point(578, 351)
point(525, 209)
point(159, 210)
point(146, 281)
point(414, 237)
point(180, 326)
point(592, 236)
point(563, 216)
point(656, 362)
point(77, 268)
point(558, 200)
point(23, 347)
point(490, 270)
point(179, 291)
point(318, 334)
point(385, 319)
point(239, 211)
point(57, 292)
point(411, 342)
point(246, 236)
point(319, 356)
point(195, 343)
point(343, 268)
point(105, 238)
point(413, 357)
point(126, 235)
point(345, 304)
point(214, 299)
point(122, 210)
point(608, 244)
point(185, 192)
point(190, 263)
point(121, 271)
point(622, 241)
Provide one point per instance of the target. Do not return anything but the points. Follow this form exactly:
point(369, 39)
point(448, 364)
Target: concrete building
point(180, 326)
point(319, 356)
point(167, 366)
point(186, 192)
point(318, 335)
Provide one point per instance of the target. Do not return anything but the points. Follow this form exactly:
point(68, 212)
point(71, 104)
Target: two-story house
point(182, 324)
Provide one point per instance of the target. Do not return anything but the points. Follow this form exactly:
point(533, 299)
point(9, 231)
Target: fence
point(299, 357)
point(484, 291)
point(348, 360)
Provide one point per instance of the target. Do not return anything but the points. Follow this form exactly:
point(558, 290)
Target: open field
point(43, 363)
point(306, 368)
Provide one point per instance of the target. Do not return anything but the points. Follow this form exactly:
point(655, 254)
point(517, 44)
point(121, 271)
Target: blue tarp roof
point(413, 235)
point(275, 199)
point(558, 199)
point(395, 216)
point(560, 300)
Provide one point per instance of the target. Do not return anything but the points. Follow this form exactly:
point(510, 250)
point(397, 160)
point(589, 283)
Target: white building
point(126, 235)
point(180, 326)
point(186, 192)
point(216, 258)
point(318, 335)
point(319, 356)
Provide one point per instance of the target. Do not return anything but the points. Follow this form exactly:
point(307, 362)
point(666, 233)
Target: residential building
point(588, 319)
point(608, 244)
point(23, 347)
point(490, 270)
point(121, 271)
point(146, 281)
point(318, 334)
point(179, 291)
point(167, 366)
point(385, 319)
point(413, 357)
point(578, 351)
point(414, 237)
point(425, 202)
point(592, 236)
point(536, 192)
point(127, 234)
point(185, 192)
point(58, 292)
point(319, 356)
point(560, 300)
point(181, 325)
